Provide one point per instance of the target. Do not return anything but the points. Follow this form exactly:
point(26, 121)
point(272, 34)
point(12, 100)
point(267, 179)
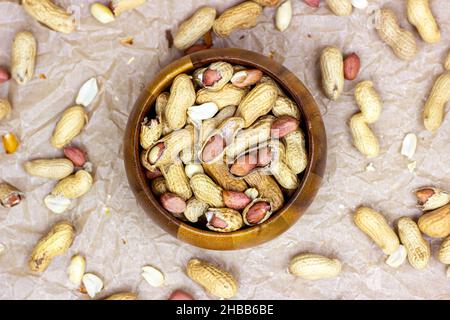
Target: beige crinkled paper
point(117, 237)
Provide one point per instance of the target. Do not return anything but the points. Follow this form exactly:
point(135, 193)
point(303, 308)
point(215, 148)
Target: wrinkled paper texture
point(117, 237)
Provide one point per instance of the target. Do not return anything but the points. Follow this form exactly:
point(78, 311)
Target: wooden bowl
point(310, 179)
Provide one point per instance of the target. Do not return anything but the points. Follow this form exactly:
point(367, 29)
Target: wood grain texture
point(310, 179)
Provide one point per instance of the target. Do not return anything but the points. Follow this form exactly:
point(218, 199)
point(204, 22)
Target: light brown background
point(118, 244)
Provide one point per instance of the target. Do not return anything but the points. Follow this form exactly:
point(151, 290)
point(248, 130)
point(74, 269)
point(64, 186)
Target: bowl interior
point(290, 85)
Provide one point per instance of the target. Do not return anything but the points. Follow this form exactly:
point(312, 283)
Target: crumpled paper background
point(118, 238)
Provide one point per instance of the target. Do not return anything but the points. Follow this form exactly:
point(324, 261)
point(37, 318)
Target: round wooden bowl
point(310, 179)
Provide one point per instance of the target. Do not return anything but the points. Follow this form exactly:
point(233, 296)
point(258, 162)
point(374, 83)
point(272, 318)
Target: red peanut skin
point(153, 174)
point(283, 126)
point(257, 212)
point(312, 3)
point(217, 222)
point(210, 77)
point(173, 203)
point(352, 64)
point(180, 295)
point(244, 165)
point(213, 148)
point(253, 76)
point(76, 155)
point(161, 147)
point(4, 75)
point(235, 200)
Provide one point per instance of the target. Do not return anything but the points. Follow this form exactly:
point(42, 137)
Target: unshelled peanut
point(51, 15)
point(374, 224)
point(332, 69)
point(370, 105)
point(23, 57)
point(312, 266)
point(216, 281)
point(194, 28)
point(55, 243)
point(436, 223)
point(418, 248)
point(340, 7)
point(69, 126)
point(241, 16)
point(400, 40)
point(74, 186)
point(49, 168)
point(420, 15)
point(433, 113)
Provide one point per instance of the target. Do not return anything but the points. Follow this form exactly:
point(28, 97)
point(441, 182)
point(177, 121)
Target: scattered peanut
point(153, 276)
point(418, 248)
point(312, 266)
point(400, 40)
point(76, 155)
point(76, 269)
point(180, 295)
point(74, 186)
point(436, 223)
point(420, 16)
point(102, 13)
point(194, 28)
point(241, 16)
point(332, 69)
point(340, 7)
point(409, 145)
point(284, 15)
point(430, 198)
point(352, 64)
point(374, 224)
point(433, 113)
point(397, 258)
point(55, 243)
point(4, 75)
point(69, 126)
point(92, 283)
point(49, 14)
point(49, 168)
point(57, 204)
point(23, 56)
point(370, 104)
point(87, 93)
point(216, 281)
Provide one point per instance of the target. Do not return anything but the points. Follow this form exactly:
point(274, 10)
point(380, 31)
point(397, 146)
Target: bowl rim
point(135, 171)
